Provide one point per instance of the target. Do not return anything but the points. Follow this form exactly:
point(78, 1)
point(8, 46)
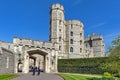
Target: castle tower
point(98, 45)
point(57, 27)
point(75, 38)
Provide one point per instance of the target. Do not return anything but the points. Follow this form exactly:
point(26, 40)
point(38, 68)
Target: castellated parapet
point(75, 22)
point(7, 45)
point(57, 6)
point(34, 43)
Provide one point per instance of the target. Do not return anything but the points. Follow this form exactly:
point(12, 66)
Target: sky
point(31, 18)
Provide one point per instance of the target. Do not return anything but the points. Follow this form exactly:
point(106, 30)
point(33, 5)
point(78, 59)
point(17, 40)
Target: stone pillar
point(15, 64)
point(15, 59)
point(56, 61)
point(46, 64)
point(26, 63)
point(37, 62)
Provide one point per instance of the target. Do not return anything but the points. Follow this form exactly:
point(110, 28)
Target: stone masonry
point(6, 61)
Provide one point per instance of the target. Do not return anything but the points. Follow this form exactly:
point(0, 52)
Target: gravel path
point(42, 76)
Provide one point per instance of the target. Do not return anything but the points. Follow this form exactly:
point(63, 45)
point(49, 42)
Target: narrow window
point(80, 35)
point(59, 38)
point(80, 50)
point(59, 47)
point(71, 33)
point(80, 42)
point(60, 22)
point(71, 41)
point(71, 26)
point(80, 26)
point(71, 49)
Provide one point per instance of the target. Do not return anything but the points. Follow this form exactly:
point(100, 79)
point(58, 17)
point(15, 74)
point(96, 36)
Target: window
point(80, 50)
point(59, 38)
point(60, 22)
point(71, 26)
point(71, 33)
point(80, 35)
point(59, 30)
point(7, 62)
point(80, 26)
point(80, 42)
point(59, 47)
point(71, 49)
point(71, 41)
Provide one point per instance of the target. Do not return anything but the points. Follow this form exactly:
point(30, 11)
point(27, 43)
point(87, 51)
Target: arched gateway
point(30, 53)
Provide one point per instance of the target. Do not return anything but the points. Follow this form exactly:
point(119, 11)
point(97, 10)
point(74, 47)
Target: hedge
point(88, 65)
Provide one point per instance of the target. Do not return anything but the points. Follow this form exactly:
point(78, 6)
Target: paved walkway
point(42, 76)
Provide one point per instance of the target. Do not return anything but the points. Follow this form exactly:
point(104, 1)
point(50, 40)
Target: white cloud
point(76, 2)
point(98, 25)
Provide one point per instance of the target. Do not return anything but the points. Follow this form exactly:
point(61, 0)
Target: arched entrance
point(36, 57)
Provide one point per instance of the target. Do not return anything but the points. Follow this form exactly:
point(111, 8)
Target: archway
point(36, 57)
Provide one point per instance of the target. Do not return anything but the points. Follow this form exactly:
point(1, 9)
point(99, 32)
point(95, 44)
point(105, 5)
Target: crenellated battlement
point(94, 37)
point(57, 6)
point(74, 22)
point(34, 43)
point(97, 37)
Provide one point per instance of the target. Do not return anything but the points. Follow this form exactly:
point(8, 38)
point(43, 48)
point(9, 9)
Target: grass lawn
point(7, 76)
point(68, 76)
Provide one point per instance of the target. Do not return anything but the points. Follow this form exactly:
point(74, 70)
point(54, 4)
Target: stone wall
point(6, 61)
point(95, 44)
point(7, 45)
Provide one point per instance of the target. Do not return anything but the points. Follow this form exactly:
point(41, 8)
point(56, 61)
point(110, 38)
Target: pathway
point(42, 76)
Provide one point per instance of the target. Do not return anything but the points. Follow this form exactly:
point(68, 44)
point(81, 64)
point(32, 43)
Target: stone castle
point(66, 41)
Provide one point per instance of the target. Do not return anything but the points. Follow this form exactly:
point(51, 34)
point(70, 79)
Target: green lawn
point(7, 76)
point(68, 76)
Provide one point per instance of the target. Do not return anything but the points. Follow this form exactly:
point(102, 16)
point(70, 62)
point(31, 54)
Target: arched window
point(60, 22)
point(80, 50)
point(71, 41)
point(80, 42)
point(59, 38)
point(71, 33)
point(71, 49)
point(80, 35)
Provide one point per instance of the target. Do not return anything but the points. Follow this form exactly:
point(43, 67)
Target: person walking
point(38, 70)
point(34, 70)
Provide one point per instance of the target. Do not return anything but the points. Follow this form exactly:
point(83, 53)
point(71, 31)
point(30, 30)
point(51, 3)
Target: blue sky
point(30, 18)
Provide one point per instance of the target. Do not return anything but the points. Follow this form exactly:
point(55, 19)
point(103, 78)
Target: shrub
point(105, 78)
point(107, 74)
point(117, 75)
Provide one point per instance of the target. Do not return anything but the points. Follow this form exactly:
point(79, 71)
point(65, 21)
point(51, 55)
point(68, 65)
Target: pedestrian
point(34, 69)
point(38, 71)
